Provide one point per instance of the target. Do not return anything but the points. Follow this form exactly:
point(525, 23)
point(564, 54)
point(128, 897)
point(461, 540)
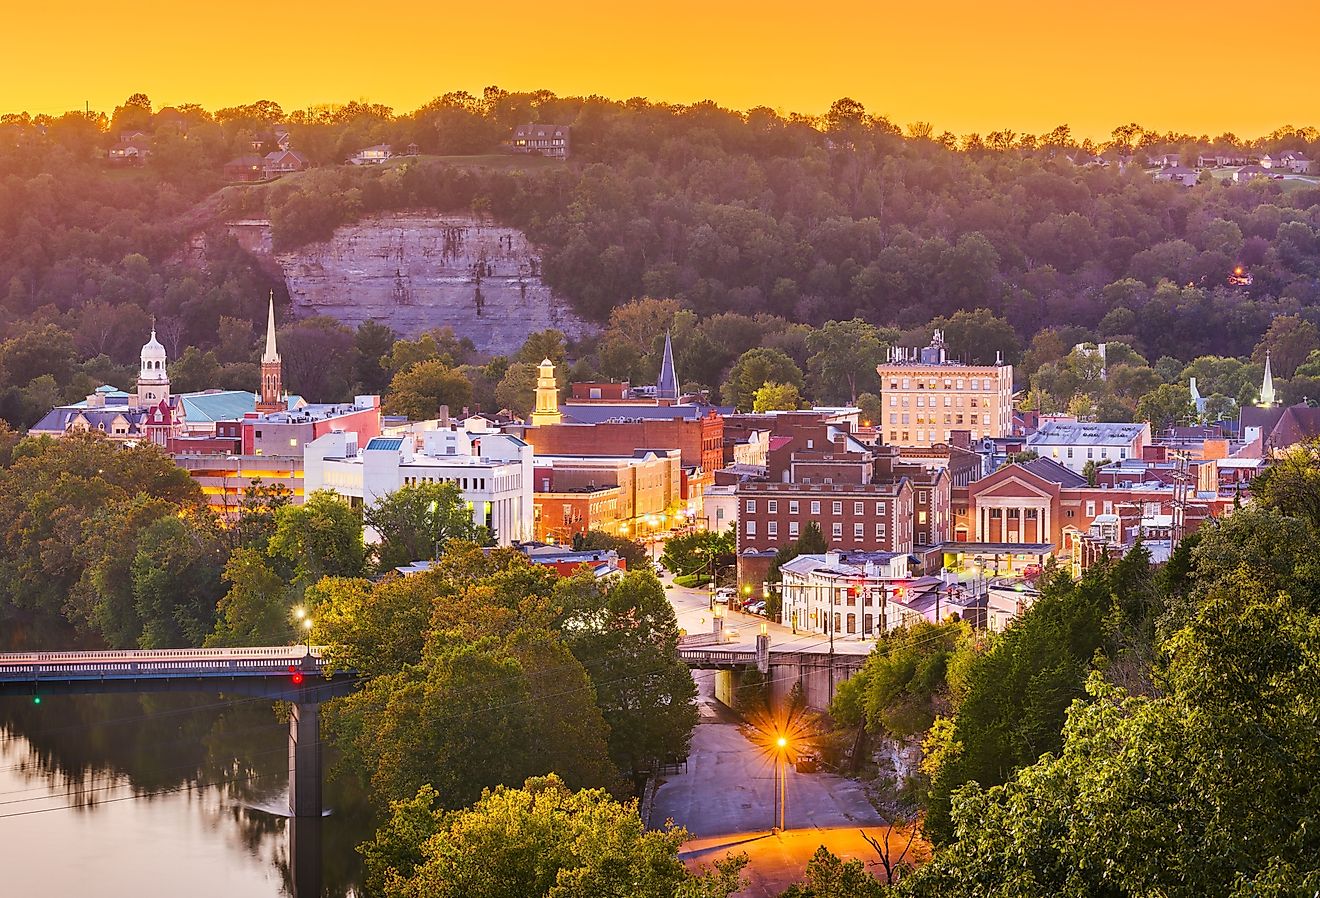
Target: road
point(725, 799)
point(692, 606)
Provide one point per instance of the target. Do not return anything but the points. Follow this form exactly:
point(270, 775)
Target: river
point(124, 796)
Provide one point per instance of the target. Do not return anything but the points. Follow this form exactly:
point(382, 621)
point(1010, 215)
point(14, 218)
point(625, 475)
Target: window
point(859, 508)
point(1109, 507)
point(751, 506)
point(852, 623)
point(837, 531)
point(837, 507)
point(921, 495)
point(859, 531)
point(880, 529)
point(921, 517)
point(751, 528)
point(772, 506)
point(792, 506)
point(793, 529)
point(815, 508)
point(921, 538)
point(1090, 509)
point(772, 528)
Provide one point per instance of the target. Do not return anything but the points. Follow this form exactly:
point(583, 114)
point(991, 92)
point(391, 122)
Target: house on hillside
point(1166, 160)
point(283, 162)
point(1295, 162)
point(542, 139)
point(1250, 173)
point(132, 148)
point(1178, 174)
point(372, 155)
point(245, 169)
point(282, 138)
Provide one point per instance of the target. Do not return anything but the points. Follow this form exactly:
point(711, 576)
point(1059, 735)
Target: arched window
point(852, 623)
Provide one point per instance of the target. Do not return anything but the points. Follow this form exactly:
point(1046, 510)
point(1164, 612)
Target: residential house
point(374, 155)
point(283, 162)
point(1250, 173)
point(543, 140)
point(245, 169)
point(132, 148)
point(1178, 174)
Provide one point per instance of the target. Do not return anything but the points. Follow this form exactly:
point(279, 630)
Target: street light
point(307, 625)
point(781, 781)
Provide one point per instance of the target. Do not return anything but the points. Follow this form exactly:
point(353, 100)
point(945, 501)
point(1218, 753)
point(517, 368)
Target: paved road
point(726, 801)
point(692, 606)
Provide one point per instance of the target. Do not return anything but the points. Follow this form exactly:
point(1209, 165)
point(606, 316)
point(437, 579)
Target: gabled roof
point(1297, 424)
point(1049, 469)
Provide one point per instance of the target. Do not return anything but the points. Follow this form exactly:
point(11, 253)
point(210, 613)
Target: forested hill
point(810, 219)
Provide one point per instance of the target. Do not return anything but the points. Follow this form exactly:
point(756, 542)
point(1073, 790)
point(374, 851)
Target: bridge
point(817, 672)
point(295, 674)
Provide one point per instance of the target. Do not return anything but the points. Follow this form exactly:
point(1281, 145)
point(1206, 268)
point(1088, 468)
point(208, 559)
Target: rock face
point(415, 272)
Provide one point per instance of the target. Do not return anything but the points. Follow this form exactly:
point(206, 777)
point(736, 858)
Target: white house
point(493, 471)
point(1074, 443)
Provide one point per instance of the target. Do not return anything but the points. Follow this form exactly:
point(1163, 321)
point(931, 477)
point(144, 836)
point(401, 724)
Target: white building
point(1074, 443)
point(493, 471)
point(719, 507)
point(863, 594)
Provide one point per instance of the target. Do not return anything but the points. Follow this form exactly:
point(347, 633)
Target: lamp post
point(305, 622)
point(781, 783)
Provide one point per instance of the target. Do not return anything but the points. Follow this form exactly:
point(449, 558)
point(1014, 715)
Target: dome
point(153, 349)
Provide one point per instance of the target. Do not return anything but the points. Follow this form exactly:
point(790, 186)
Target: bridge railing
point(259, 661)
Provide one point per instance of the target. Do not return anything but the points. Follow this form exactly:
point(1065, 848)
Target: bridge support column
point(305, 759)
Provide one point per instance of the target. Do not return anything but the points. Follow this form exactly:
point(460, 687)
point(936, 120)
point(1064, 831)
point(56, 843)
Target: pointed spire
point(1267, 384)
point(666, 387)
point(270, 356)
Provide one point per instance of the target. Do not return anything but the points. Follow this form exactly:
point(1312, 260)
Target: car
point(806, 762)
point(757, 607)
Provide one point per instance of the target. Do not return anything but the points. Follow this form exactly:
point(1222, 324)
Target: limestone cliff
point(416, 271)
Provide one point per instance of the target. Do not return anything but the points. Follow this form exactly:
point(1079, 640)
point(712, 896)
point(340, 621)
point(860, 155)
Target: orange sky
point(962, 65)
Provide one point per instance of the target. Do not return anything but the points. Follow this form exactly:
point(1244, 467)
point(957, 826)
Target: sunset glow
point(963, 65)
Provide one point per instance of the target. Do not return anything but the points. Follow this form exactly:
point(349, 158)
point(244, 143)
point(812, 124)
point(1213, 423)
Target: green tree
point(776, 397)
point(1165, 406)
point(873, 411)
point(421, 389)
point(320, 538)
point(516, 390)
point(626, 635)
point(1291, 484)
point(844, 355)
point(373, 341)
point(415, 522)
point(753, 370)
point(256, 609)
point(538, 840)
point(827, 876)
point(176, 582)
point(700, 551)
point(630, 550)
point(1289, 340)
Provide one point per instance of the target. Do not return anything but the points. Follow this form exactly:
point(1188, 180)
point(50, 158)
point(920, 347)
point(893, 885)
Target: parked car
point(807, 762)
point(757, 607)
point(725, 593)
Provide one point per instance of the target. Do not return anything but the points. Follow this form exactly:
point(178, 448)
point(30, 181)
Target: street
point(725, 799)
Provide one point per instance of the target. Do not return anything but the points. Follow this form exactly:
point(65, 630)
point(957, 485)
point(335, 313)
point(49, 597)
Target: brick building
point(926, 397)
point(634, 495)
point(1041, 503)
point(700, 441)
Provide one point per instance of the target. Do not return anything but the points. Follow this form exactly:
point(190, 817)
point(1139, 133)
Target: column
point(305, 759)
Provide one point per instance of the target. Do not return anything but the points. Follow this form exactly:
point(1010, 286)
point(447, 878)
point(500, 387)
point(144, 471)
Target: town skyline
point(972, 69)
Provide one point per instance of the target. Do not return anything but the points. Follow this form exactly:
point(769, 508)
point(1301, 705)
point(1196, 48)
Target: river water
point(125, 796)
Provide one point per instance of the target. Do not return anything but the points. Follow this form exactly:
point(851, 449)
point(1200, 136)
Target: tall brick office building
point(864, 498)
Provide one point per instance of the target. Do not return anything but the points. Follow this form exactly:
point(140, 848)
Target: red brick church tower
point(272, 395)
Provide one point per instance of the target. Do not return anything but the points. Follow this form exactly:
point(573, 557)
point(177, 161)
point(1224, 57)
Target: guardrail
point(158, 663)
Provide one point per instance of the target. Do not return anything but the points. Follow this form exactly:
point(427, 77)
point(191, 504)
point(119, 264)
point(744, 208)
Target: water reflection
point(186, 794)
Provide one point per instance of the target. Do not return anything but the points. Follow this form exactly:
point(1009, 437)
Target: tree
point(538, 840)
point(1165, 406)
point(844, 355)
point(373, 341)
point(754, 369)
point(320, 538)
point(630, 550)
point(1289, 340)
point(829, 877)
point(516, 390)
point(176, 582)
point(1291, 484)
point(626, 635)
point(872, 409)
point(421, 389)
point(318, 356)
point(701, 551)
point(255, 610)
point(415, 522)
point(776, 397)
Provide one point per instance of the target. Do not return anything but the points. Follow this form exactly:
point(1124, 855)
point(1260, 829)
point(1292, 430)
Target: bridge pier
point(305, 759)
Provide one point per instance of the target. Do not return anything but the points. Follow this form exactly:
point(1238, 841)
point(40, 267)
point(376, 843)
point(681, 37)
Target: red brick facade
point(701, 442)
point(859, 517)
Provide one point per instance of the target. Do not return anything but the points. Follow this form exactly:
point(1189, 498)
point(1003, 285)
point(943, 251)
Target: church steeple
point(271, 370)
point(1267, 384)
point(547, 396)
point(666, 386)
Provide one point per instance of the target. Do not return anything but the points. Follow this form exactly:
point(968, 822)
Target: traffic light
point(297, 676)
point(36, 699)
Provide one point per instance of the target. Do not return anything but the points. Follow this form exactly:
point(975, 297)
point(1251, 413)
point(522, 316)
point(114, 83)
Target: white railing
point(158, 662)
